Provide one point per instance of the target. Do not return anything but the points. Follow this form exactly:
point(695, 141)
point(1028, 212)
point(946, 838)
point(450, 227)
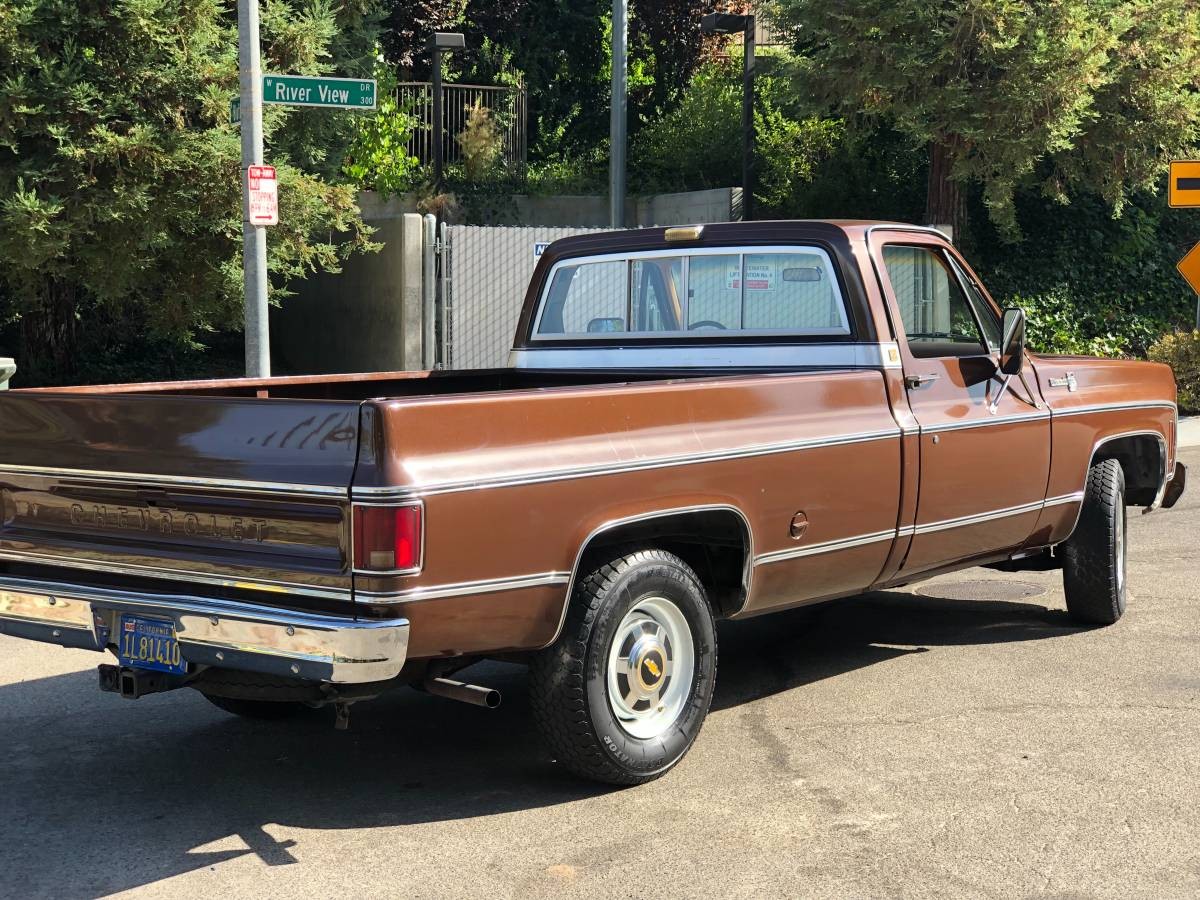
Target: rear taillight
point(387, 538)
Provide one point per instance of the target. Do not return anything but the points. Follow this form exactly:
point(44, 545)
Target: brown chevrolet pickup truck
point(698, 423)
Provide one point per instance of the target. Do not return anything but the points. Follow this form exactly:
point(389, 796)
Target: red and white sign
point(263, 191)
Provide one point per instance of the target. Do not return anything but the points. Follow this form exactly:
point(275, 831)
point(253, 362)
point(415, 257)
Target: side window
point(983, 309)
point(590, 298)
point(937, 318)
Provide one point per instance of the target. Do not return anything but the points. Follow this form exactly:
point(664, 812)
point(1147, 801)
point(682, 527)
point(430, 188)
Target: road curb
point(1189, 431)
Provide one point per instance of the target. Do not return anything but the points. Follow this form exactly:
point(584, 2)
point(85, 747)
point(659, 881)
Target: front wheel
point(1094, 556)
point(622, 694)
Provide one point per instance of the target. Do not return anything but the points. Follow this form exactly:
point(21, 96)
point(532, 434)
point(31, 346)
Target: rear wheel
point(1094, 556)
point(622, 694)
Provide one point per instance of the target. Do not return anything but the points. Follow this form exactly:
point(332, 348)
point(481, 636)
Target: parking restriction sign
point(263, 192)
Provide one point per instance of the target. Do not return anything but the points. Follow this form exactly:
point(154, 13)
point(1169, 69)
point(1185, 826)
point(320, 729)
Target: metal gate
point(483, 273)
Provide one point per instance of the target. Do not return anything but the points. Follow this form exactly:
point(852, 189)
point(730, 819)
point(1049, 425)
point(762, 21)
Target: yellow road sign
point(1185, 184)
point(1189, 268)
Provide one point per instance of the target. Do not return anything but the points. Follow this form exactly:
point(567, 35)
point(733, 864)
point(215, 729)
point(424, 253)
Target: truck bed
point(367, 385)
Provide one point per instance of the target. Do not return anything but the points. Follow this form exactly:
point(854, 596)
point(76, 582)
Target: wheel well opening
point(1141, 459)
point(714, 542)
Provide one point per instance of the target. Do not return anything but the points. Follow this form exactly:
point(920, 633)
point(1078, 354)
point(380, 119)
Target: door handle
point(915, 381)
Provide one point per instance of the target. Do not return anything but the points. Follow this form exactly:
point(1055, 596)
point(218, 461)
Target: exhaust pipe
point(466, 693)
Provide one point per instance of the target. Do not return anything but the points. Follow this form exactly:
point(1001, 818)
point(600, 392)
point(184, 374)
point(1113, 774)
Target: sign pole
point(617, 123)
point(254, 237)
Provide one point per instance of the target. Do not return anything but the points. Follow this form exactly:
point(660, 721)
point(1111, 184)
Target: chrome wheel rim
point(651, 665)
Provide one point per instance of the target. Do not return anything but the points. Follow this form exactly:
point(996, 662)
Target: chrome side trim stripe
point(400, 493)
point(228, 581)
point(910, 530)
point(465, 588)
point(554, 579)
point(139, 479)
point(984, 423)
point(979, 518)
point(1076, 497)
point(826, 547)
point(1114, 407)
point(447, 487)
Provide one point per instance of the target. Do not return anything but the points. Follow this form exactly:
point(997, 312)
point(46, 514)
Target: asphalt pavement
point(963, 738)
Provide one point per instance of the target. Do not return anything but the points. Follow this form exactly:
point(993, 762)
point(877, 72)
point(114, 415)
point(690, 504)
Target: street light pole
point(435, 79)
point(748, 120)
point(254, 237)
point(617, 124)
point(439, 41)
point(728, 23)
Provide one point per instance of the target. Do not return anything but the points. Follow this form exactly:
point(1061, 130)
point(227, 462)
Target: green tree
point(120, 214)
point(667, 33)
point(1077, 94)
point(698, 144)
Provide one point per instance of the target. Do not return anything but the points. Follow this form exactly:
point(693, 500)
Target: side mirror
point(1012, 345)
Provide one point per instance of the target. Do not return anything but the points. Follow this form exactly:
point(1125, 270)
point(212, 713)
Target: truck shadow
point(769, 654)
point(109, 795)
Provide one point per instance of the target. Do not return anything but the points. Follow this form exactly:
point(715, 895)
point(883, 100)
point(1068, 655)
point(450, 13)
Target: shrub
point(1181, 351)
point(1090, 283)
point(698, 144)
point(378, 159)
point(1060, 322)
point(481, 142)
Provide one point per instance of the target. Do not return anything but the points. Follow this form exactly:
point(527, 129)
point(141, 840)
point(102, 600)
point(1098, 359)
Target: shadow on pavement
point(765, 655)
point(128, 794)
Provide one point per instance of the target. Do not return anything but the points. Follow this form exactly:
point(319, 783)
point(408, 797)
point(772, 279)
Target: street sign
point(1184, 190)
point(1189, 268)
point(304, 90)
point(263, 190)
point(235, 111)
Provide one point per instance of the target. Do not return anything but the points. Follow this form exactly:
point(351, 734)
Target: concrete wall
point(367, 319)
point(581, 210)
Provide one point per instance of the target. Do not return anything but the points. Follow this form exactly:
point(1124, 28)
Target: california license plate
point(150, 644)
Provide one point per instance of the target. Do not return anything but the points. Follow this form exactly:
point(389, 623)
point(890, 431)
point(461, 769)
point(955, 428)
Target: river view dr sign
point(305, 90)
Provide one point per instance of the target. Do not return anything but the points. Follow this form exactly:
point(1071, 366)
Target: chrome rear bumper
point(212, 632)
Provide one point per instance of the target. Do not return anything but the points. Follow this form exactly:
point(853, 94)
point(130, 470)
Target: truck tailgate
point(230, 494)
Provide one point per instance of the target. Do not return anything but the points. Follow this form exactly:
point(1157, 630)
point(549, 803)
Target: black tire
point(259, 709)
point(569, 680)
point(1095, 555)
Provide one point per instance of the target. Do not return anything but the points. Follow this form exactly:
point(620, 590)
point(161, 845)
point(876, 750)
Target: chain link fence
point(483, 274)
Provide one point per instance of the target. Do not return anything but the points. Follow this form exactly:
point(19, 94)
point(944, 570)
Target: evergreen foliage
point(1081, 95)
point(120, 203)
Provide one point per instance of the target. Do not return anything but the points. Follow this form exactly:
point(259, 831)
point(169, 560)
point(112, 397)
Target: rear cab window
point(710, 293)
